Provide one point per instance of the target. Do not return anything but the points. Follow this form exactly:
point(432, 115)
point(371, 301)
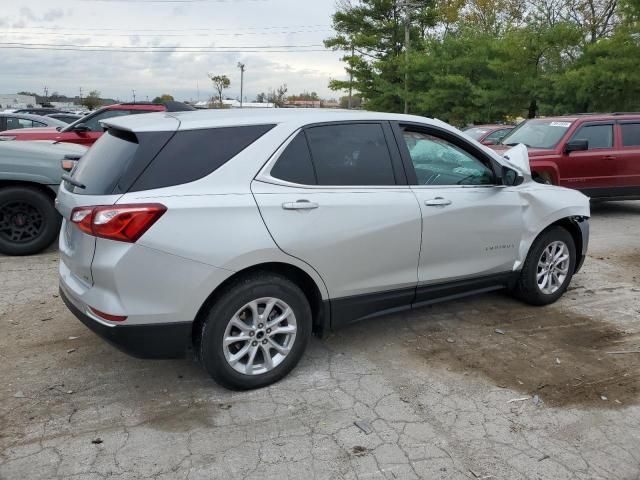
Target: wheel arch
point(48, 190)
point(572, 225)
point(294, 273)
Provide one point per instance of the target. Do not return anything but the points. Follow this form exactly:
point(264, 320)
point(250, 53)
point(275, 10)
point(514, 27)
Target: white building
point(11, 101)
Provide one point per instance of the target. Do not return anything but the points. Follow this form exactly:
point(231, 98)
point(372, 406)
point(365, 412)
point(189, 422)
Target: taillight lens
point(124, 223)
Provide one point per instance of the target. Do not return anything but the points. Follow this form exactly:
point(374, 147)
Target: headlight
point(7, 137)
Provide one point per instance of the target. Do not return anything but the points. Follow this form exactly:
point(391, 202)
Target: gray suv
point(236, 234)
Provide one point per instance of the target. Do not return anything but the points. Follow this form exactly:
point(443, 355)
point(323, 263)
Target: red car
point(596, 154)
point(87, 129)
point(488, 134)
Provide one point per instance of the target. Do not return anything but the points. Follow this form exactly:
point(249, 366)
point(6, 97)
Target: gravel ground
point(483, 387)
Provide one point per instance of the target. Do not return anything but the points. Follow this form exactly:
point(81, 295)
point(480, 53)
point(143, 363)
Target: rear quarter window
point(193, 154)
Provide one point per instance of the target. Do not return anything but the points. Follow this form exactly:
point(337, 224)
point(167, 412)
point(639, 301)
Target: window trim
point(450, 137)
point(399, 172)
point(579, 127)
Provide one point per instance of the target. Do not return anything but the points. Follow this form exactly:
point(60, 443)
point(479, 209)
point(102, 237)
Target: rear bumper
point(160, 340)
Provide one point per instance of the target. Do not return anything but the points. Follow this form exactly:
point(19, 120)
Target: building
point(13, 101)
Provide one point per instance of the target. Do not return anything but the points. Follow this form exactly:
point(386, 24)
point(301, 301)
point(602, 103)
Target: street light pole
point(241, 67)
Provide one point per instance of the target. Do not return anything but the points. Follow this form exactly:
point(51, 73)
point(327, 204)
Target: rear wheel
point(29, 222)
point(256, 331)
point(548, 268)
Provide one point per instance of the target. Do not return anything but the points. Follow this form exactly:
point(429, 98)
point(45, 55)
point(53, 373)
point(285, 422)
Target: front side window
point(13, 123)
point(439, 162)
point(350, 154)
point(630, 134)
point(598, 136)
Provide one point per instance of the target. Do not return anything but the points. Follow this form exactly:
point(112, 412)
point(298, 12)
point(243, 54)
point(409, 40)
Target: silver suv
point(236, 234)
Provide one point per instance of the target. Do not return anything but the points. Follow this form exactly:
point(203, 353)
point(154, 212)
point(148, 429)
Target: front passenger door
point(471, 226)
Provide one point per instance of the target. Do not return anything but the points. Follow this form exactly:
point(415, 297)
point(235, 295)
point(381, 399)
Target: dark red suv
point(596, 154)
point(87, 129)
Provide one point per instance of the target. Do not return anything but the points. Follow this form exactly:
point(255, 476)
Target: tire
point(234, 303)
point(29, 222)
point(527, 287)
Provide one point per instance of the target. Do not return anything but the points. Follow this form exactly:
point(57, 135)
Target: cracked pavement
point(483, 387)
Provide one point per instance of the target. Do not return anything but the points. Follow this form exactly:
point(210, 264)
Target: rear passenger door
point(335, 196)
point(629, 157)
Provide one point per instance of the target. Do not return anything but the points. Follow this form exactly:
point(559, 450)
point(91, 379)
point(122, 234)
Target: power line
point(155, 48)
point(233, 29)
point(230, 34)
point(101, 50)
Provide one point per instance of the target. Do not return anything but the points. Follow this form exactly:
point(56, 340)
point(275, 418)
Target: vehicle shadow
point(600, 207)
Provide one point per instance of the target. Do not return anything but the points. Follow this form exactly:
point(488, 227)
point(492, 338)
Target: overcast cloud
point(171, 25)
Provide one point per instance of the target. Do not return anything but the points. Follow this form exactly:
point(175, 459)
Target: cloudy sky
point(166, 46)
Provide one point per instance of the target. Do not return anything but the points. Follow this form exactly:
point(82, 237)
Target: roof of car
point(36, 118)
point(212, 118)
point(594, 116)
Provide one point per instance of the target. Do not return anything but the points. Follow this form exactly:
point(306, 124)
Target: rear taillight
point(125, 223)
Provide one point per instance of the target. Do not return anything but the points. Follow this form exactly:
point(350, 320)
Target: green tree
point(278, 96)
point(92, 100)
point(165, 97)
point(220, 84)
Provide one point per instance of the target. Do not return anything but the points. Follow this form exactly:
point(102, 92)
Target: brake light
point(124, 223)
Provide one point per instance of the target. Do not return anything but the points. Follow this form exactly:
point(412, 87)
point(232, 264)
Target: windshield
point(476, 132)
point(537, 133)
point(83, 119)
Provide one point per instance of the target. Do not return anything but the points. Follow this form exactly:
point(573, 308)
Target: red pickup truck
point(596, 154)
point(86, 130)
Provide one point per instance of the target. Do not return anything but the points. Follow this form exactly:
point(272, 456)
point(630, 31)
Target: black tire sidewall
point(41, 201)
point(528, 288)
point(237, 295)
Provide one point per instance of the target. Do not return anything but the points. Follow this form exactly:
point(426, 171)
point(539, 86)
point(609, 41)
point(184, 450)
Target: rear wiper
point(73, 182)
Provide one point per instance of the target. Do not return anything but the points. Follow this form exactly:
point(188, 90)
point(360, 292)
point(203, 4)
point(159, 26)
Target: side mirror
point(576, 146)
point(81, 128)
point(510, 177)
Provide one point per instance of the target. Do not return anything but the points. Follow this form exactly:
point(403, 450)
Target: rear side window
point(630, 134)
point(294, 164)
point(351, 154)
point(598, 136)
point(193, 154)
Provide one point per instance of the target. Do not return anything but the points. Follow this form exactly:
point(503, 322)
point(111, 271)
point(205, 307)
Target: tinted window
point(100, 168)
point(598, 136)
point(13, 123)
point(438, 162)
point(294, 165)
point(193, 154)
point(355, 154)
point(630, 134)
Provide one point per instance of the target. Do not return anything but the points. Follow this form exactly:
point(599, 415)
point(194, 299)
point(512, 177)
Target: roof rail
point(625, 113)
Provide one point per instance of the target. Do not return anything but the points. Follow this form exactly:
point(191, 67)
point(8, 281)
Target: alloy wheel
point(553, 267)
point(20, 222)
point(259, 336)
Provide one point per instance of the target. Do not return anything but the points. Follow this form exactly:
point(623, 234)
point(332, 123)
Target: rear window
point(122, 161)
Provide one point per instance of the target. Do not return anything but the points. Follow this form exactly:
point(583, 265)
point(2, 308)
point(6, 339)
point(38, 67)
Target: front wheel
point(548, 269)
point(256, 331)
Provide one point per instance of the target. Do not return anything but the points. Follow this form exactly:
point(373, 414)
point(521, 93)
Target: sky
point(166, 46)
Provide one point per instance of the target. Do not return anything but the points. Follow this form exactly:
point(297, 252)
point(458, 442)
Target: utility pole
point(80, 95)
point(349, 105)
point(407, 24)
point(46, 94)
point(133, 92)
point(241, 67)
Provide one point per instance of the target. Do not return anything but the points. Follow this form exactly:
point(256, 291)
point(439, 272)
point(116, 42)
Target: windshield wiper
point(75, 183)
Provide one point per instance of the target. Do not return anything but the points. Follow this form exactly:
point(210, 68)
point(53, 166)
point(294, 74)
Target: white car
point(236, 234)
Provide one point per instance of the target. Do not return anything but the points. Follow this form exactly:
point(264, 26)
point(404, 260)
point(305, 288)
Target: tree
point(356, 101)
point(92, 100)
point(220, 83)
point(261, 97)
point(278, 96)
point(165, 97)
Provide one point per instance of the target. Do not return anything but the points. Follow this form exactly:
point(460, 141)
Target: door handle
point(300, 205)
point(437, 202)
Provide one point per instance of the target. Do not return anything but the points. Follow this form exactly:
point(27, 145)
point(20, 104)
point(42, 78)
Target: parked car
point(596, 154)
point(86, 130)
point(488, 134)
point(39, 110)
point(30, 173)
point(65, 117)
point(237, 233)
point(13, 121)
